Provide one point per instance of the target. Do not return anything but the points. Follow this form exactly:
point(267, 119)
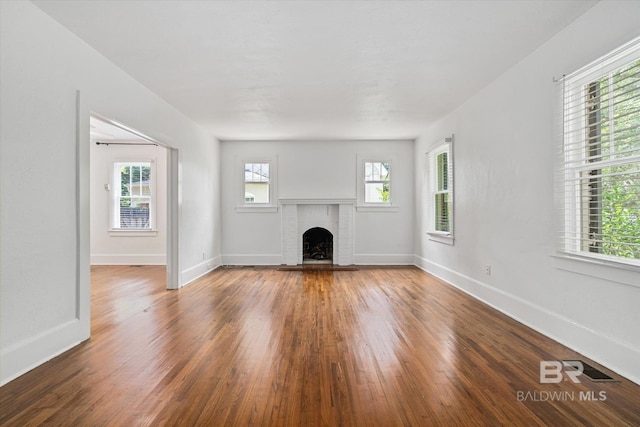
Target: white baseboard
point(255, 259)
point(383, 259)
point(128, 259)
point(26, 355)
point(199, 270)
point(615, 355)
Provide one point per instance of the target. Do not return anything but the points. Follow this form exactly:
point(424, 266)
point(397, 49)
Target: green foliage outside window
point(617, 216)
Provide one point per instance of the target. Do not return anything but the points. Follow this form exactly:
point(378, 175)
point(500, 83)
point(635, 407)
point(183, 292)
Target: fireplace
point(317, 246)
point(335, 216)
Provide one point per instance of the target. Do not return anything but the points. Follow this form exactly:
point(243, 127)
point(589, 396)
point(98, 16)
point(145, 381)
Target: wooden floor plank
point(258, 346)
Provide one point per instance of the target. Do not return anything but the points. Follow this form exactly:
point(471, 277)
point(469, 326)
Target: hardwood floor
point(257, 346)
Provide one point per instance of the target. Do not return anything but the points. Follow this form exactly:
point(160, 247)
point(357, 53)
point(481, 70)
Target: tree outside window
point(602, 163)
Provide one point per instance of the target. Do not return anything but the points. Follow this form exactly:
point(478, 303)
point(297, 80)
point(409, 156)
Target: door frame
point(173, 197)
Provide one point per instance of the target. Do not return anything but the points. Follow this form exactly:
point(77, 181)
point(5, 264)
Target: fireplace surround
point(334, 215)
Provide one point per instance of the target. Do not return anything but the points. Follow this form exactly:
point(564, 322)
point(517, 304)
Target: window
point(601, 158)
point(133, 191)
point(377, 182)
point(442, 193)
point(256, 183)
point(440, 163)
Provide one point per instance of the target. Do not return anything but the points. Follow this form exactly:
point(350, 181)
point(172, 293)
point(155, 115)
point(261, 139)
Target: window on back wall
point(257, 180)
point(377, 182)
point(600, 178)
point(440, 164)
point(133, 202)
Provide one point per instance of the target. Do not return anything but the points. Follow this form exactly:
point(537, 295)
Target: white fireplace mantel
point(335, 215)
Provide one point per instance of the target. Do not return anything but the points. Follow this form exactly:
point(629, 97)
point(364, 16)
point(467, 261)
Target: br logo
point(554, 371)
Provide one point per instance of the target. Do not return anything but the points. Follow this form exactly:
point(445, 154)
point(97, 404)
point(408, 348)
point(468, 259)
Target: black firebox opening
point(317, 245)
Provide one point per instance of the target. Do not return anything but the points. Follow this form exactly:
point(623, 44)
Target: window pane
point(611, 211)
point(125, 180)
point(376, 171)
point(368, 171)
point(443, 172)
point(626, 110)
point(256, 172)
point(442, 214)
point(145, 180)
point(613, 114)
point(376, 192)
point(256, 192)
point(134, 212)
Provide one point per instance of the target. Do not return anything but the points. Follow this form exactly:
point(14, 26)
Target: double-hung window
point(257, 181)
point(377, 182)
point(440, 165)
point(257, 191)
point(133, 196)
point(601, 158)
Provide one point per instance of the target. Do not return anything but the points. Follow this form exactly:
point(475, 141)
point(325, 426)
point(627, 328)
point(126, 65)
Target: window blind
point(601, 158)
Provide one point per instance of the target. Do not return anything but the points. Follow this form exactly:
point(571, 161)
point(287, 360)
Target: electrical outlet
point(487, 270)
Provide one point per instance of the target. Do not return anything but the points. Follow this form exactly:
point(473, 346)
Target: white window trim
point(442, 146)
point(570, 254)
point(241, 205)
point(362, 205)
point(113, 199)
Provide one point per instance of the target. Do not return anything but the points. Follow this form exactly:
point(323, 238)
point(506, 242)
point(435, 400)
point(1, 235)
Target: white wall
point(322, 170)
point(44, 206)
point(506, 138)
point(122, 248)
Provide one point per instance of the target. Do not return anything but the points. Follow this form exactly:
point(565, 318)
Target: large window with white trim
point(600, 176)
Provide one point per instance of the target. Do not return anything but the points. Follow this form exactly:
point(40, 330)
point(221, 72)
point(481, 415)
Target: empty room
point(319, 213)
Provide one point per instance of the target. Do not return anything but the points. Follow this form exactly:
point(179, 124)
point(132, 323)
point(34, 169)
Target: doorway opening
point(133, 190)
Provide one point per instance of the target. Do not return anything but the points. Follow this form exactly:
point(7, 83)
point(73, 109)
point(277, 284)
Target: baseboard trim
point(192, 273)
point(20, 358)
point(128, 259)
point(615, 355)
point(383, 259)
point(251, 259)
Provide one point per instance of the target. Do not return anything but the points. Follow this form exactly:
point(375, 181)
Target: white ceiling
point(309, 69)
point(103, 131)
